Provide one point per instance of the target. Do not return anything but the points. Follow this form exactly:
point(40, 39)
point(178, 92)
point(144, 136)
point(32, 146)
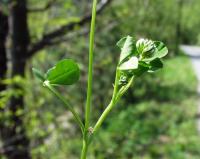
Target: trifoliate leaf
point(65, 72)
point(38, 74)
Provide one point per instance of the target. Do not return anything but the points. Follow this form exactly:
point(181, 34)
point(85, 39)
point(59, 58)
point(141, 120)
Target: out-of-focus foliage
point(190, 24)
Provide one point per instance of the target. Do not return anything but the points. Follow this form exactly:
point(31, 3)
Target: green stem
point(117, 94)
point(76, 117)
point(84, 149)
point(89, 87)
point(103, 116)
point(110, 106)
point(124, 89)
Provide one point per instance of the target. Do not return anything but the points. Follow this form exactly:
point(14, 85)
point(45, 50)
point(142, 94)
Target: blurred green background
point(156, 119)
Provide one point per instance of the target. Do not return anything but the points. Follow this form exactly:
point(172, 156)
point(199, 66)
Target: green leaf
point(38, 74)
point(127, 45)
point(65, 72)
point(155, 65)
point(142, 68)
point(160, 51)
point(131, 64)
point(121, 42)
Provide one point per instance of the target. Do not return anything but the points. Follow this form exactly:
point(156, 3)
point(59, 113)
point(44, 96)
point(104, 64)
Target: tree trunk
point(16, 143)
point(3, 62)
point(3, 59)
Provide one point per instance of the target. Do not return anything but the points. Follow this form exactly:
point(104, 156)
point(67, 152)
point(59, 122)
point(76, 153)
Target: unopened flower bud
point(123, 80)
point(146, 48)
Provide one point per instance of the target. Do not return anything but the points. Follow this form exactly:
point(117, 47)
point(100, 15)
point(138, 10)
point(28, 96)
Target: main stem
point(89, 87)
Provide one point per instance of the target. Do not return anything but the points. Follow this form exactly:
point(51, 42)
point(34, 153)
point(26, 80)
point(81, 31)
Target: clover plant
point(136, 58)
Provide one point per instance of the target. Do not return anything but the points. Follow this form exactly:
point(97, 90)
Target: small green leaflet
point(121, 42)
point(38, 74)
point(131, 64)
point(161, 51)
point(65, 72)
point(126, 45)
point(156, 64)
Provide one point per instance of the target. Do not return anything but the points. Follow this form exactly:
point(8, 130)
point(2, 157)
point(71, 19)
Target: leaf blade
point(131, 64)
point(65, 72)
point(160, 52)
point(127, 46)
point(37, 73)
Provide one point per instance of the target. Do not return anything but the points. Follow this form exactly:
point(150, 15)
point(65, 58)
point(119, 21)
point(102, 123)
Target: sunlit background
point(156, 119)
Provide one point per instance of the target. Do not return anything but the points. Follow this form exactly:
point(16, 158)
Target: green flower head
point(145, 48)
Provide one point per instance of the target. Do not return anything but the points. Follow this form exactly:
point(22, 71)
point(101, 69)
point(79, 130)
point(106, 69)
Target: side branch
point(49, 38)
